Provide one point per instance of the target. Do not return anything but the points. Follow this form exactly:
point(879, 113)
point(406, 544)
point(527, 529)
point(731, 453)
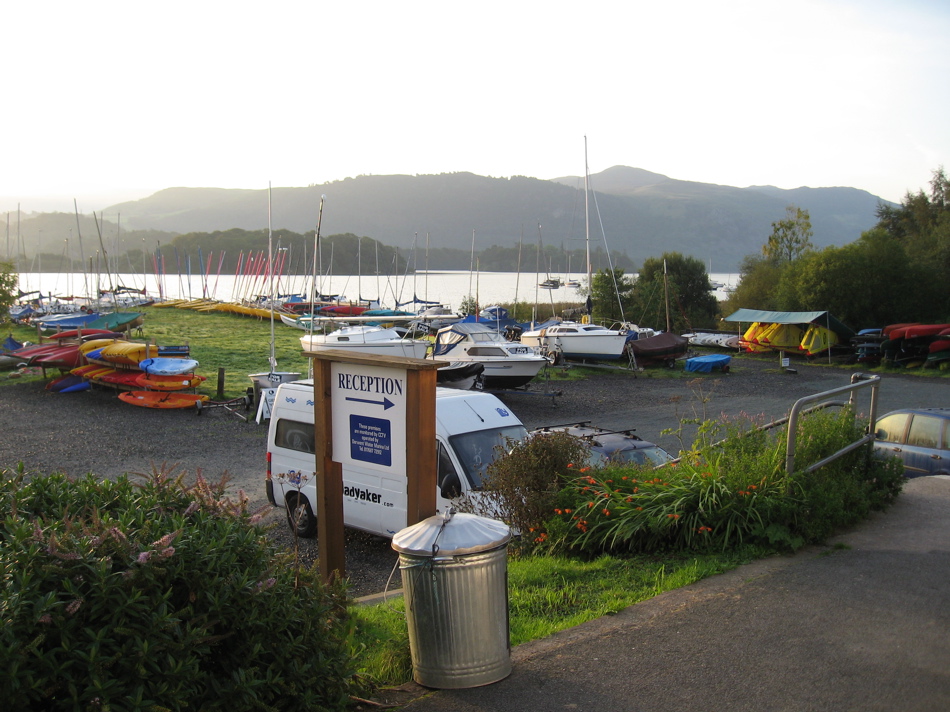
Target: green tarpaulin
point(821, 318)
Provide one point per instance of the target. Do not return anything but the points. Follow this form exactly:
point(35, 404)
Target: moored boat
point(506, 364)
point(368, 339)
point(576, 340)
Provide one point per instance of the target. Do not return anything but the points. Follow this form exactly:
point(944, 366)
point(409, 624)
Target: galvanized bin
point(455, 583)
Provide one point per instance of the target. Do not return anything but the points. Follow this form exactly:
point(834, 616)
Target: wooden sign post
point(377, 412)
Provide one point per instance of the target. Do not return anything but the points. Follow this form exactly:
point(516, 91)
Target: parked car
point(920, 437)
point(613, 446)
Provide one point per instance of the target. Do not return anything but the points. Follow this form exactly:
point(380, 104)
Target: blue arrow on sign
point(385, 402)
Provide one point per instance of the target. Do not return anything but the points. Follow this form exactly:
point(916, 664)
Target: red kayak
point(64, 357)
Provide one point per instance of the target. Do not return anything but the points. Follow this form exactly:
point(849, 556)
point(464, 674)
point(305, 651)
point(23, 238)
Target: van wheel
point(300, 517)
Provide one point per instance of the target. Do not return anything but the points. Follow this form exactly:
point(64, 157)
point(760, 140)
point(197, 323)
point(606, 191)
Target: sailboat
point(579, 340)
point(272, 378)
point(570, 281)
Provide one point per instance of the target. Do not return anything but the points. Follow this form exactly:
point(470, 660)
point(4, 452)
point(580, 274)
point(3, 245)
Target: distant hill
point(643, 214)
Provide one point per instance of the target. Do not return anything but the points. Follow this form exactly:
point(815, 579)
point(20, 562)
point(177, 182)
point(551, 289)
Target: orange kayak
point(155, 382)
point(160, 399)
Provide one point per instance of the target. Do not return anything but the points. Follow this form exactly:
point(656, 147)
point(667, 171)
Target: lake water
point(447, 287)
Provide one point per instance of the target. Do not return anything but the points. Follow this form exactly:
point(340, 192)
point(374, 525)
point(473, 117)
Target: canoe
point(65, 384)
point(127, 352)
point(159, 399)
point(117, 377)
point(90, 371)
point(64, 357)
point(168, 366)
point(94, 344)
point(154, 382)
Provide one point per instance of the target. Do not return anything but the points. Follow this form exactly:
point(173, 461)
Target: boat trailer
point(232, 406)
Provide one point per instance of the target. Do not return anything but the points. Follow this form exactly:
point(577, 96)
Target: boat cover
point(821, 318)
point(705, 364)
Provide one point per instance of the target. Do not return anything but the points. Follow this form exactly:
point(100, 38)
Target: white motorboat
point(368, 339)
point(576, 340)
point(508, 364)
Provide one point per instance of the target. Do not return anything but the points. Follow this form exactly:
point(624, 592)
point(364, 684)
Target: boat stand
point(232, 406)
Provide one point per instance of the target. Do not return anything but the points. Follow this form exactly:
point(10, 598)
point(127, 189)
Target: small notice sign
point(371, 440)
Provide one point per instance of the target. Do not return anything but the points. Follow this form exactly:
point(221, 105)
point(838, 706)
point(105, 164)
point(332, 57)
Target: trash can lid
point(451, 535)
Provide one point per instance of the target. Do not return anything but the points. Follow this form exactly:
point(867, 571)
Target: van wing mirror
point(451, 486)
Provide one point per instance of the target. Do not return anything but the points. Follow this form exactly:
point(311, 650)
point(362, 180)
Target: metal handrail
point(858, 381)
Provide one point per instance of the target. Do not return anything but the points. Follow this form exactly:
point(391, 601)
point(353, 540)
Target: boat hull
point(158, 399)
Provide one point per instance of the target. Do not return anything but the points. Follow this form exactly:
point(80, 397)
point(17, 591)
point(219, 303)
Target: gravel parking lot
point(95, 432)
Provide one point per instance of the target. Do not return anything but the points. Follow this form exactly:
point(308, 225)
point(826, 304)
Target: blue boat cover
point(705, 364)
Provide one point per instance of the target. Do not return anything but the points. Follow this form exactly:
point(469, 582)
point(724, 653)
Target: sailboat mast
point(590, 283)
point(666, 295)
point(270, 264)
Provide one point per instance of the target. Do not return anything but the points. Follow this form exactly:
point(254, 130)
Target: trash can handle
point(446, 518)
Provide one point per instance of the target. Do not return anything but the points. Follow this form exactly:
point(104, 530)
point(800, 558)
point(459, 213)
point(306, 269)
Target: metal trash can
point(455, 584)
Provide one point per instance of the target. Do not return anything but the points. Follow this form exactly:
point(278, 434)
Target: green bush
point(718, 497)
point(522, 487)
point(158, 596)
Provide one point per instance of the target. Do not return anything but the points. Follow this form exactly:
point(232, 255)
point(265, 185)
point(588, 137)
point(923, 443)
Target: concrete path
point(866, 627)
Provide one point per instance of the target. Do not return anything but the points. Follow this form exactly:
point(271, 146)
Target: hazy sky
point(106, 100)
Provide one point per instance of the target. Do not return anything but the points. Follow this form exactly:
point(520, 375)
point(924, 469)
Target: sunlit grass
point(546, 594)
point(238, 344)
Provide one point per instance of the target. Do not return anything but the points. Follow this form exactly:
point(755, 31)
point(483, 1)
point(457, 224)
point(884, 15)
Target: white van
point(469, 427)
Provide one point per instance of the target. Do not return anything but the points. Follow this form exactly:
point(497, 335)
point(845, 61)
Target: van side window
point(924, 431)
point(295, 435)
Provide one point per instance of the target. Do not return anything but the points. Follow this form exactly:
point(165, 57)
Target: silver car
point(920, 437)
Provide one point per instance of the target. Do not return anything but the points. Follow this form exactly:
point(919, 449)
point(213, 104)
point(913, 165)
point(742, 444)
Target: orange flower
point(639, 509)
point(606, 512)
point(570, 464)
point(585, 469)
point(558, 511)
point(590, 504)
point(567, 511)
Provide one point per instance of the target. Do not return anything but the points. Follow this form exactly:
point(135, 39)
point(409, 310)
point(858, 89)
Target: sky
point(108, 101)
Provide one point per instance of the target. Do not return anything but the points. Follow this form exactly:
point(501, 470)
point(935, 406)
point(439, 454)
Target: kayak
point(154, 382)
point(159, 399)
point(126, 352)
point(168, 366)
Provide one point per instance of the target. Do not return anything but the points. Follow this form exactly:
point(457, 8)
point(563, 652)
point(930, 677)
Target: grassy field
point(238, 344)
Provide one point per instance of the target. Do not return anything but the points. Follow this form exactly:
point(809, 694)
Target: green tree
point(8, 287)
point(759, 278)
point(922, 226)
point(610, 294)
point(868, 283)
point(691, 301)
point(790, 237)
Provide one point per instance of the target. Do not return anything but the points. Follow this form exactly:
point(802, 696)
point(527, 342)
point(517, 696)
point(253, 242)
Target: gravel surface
point(95, 432)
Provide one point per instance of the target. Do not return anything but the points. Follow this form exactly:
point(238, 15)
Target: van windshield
point(476, 450)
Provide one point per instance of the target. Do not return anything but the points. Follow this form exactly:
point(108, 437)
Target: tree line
point(898, 271)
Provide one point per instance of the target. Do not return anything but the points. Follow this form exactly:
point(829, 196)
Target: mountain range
point(632, 211)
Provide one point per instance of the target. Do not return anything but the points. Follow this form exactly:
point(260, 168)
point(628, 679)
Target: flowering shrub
point(158, 596)
point(523, 485)
point(723, 496)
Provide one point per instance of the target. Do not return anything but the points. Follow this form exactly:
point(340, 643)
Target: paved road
point(859, 628)
point(755, 387)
